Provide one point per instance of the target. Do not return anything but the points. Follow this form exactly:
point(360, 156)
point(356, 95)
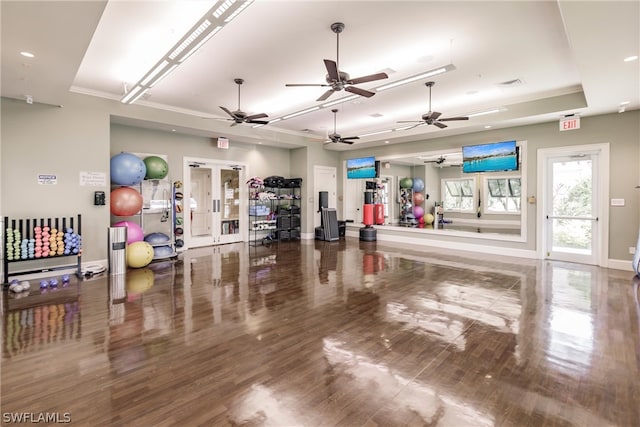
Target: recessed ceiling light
point(27, 54)
point(487, 127)
point(386, 142)
point(625, 103)
point(631, 58)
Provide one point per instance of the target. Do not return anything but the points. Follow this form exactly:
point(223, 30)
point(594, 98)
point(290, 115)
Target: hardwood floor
point(344, 333)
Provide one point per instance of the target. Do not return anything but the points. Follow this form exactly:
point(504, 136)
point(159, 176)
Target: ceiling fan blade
point(350, 137)
point(305, 84)
point(332, 69)
point(346, 141)
point(258, 122)
point(440, 125)
point(326, 95)
point(369, 78)
point(434, 115)
point(358, 91)
point(449, 119)
point(416, 125)
point(256, 116)
point(226, 110)
point(410, 121)
point(234, 124)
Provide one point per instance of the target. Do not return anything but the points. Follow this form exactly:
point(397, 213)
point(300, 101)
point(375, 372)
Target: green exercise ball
point(157, 167)
point(406, 183)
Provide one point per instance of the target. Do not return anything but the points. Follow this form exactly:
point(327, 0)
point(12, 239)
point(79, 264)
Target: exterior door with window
point(571, 205)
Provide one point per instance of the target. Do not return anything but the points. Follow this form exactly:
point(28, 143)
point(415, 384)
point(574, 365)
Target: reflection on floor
point(329, 333)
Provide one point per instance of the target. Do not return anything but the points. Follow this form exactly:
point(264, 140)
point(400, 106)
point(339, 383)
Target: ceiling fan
point(440, 160)
point(338, 80)
point(335, 136)
point(240, 116)
point(432, 117)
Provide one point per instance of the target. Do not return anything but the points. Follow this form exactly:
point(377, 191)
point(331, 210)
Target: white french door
point(573, 216)
point(217, 203)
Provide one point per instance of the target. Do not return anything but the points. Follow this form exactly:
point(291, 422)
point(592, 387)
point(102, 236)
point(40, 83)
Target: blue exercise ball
point(162, 252)
point(127, 169)
point(418, 184)
point(156, 238)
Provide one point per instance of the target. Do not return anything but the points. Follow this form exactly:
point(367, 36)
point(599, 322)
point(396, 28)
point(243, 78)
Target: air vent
point(376, 115)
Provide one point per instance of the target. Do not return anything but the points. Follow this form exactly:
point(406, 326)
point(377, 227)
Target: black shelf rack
point(26, 228)
point(283, 219)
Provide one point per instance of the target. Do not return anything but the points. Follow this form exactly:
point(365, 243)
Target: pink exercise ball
point(125, 201)
point(418, 198)
point(418, 212)
point(134, 231)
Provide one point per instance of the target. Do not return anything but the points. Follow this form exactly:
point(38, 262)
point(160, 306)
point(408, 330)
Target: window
point(458, 195)
point(503, 195)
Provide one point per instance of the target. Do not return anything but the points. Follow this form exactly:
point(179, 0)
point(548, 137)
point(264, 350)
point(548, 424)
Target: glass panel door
point(215, 204)
point(571, 217)
point(197, 207)
point(228, 205)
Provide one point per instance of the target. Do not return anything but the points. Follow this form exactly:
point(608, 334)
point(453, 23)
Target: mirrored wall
point(430, 191)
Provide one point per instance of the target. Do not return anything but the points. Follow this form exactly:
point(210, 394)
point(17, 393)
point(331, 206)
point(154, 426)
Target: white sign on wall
point(47, 179)
point(93, 179)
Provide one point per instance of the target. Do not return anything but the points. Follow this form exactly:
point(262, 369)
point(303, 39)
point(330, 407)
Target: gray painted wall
point(81, 137)
point(621, 131)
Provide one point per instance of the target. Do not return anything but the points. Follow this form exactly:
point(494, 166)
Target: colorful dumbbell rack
point(40, 238)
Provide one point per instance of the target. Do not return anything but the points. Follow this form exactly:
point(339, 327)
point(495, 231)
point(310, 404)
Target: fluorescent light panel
point(299, 113)
point(375, 133)
point(237, 11)
point(338, 101)
point(154, 73)
point(430, 73)
point(200, 43)
point(165, 74)
point(199, 34)
point(482, 113)
point(223, 8)
point(194, 35)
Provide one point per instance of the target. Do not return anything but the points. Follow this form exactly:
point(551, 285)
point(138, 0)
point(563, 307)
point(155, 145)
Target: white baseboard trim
point(415, 241)
point(619, 264)
point(307, 236)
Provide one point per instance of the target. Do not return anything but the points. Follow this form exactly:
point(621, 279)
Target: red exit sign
point(569, 123)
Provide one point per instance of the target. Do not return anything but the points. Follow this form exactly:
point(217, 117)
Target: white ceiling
point(568, 56)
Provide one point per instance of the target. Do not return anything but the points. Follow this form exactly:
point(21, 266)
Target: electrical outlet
point(632, 250)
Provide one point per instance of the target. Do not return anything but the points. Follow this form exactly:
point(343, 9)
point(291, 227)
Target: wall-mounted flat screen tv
point(493, 157)
point(361, 168)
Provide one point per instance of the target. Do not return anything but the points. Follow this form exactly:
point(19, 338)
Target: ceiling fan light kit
point(433, 117)
point(338, 80)
point(335, 136)
point(238, 116)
